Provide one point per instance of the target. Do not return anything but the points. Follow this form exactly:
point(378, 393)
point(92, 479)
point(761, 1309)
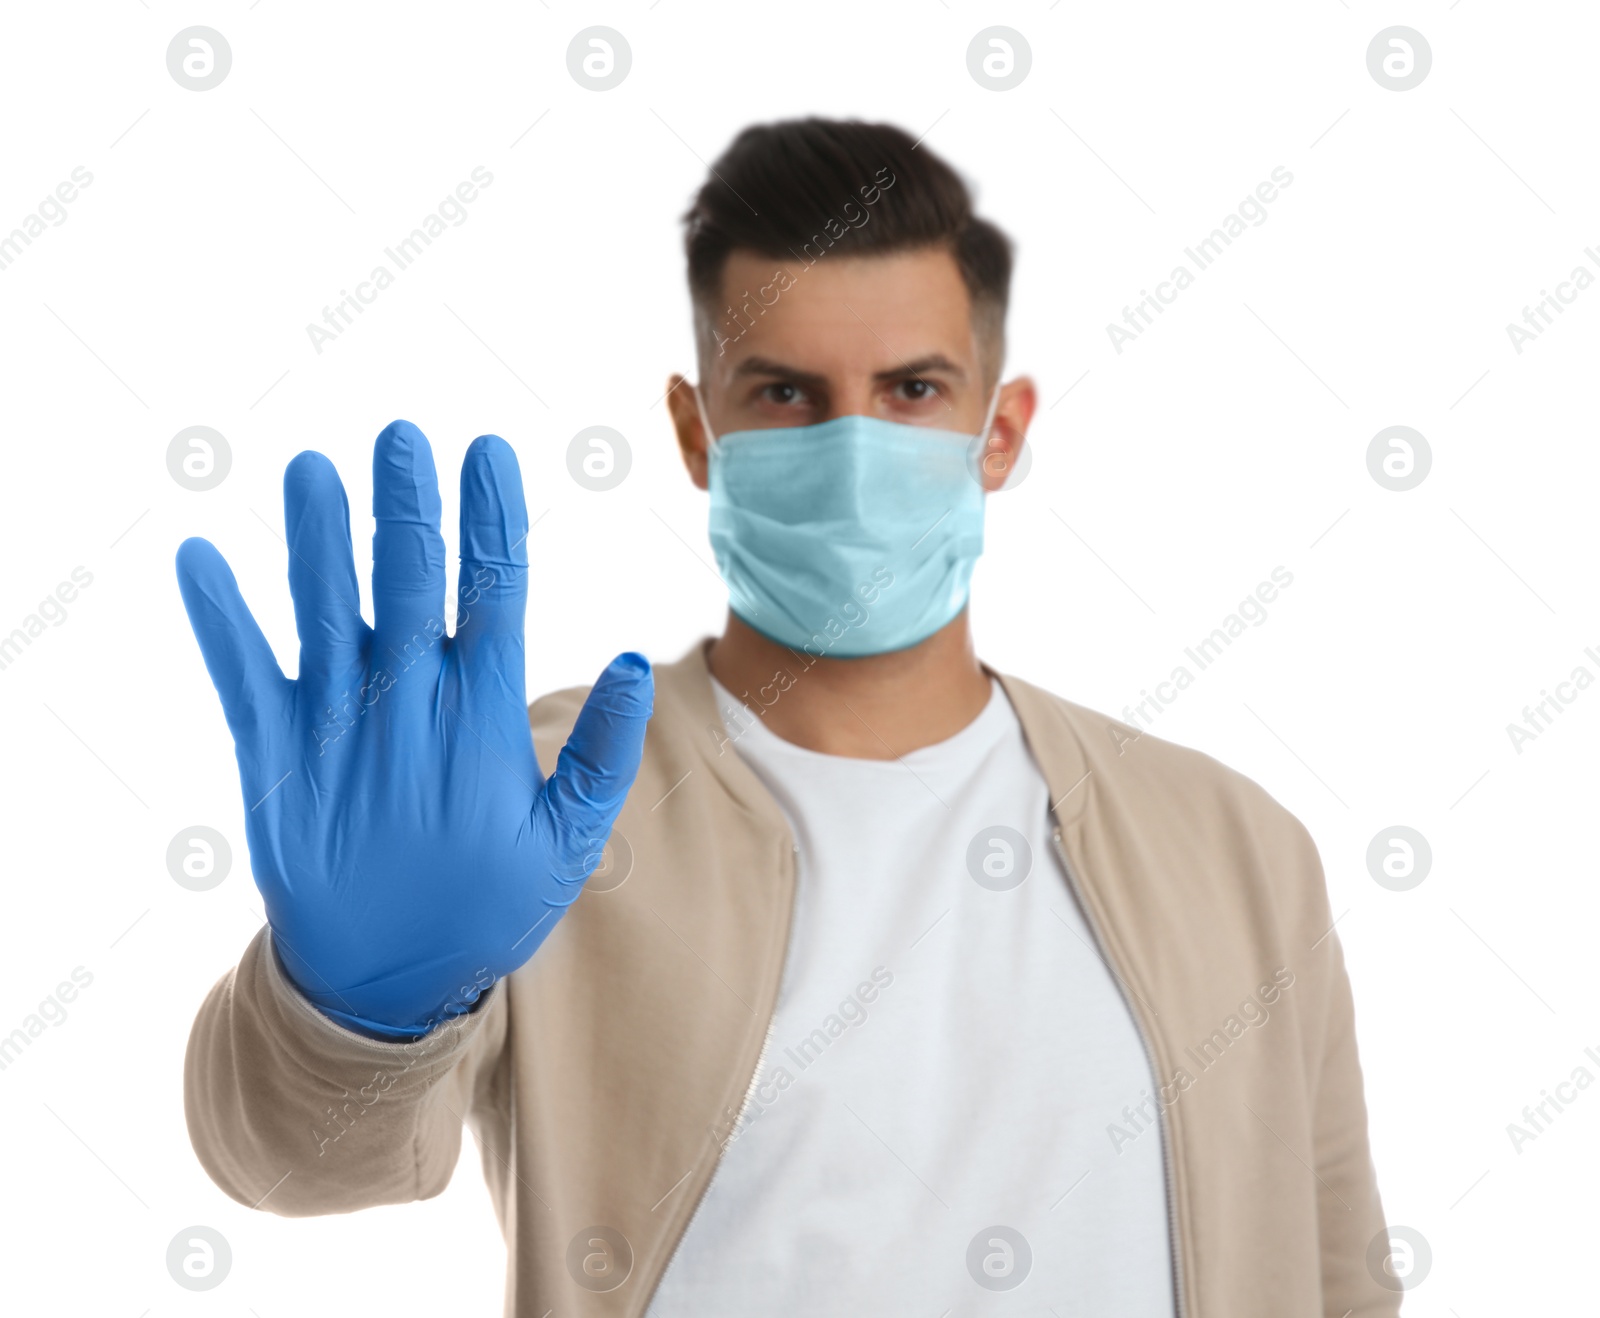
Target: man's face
point(884, 336)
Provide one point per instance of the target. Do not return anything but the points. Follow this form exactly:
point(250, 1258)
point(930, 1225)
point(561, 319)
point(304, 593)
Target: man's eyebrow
point(925, 365)
point(756, 365)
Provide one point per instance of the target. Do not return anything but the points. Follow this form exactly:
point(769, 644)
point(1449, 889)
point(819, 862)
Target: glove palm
point(407, 847)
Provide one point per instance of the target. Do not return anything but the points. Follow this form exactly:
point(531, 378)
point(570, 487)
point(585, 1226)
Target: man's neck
point(877, 707)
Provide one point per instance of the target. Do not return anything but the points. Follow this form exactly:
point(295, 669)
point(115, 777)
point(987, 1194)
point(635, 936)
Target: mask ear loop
point(705, 421)
point(988, 423)
point(994, 406)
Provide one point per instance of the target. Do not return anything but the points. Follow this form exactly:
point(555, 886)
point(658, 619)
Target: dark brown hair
point(802, 188)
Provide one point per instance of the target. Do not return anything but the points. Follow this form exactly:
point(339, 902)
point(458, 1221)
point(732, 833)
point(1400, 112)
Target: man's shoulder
point(1139, 769)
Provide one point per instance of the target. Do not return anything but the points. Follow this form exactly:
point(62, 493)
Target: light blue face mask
point(856, 536)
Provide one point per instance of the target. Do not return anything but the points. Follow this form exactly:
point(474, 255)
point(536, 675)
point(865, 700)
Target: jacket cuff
point(328, 1045)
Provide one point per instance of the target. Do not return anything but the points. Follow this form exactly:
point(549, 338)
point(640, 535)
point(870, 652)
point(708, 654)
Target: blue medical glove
point(407, 847)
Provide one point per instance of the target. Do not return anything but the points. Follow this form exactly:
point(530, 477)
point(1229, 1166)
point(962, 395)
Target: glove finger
point(407, 552)
point(492, 593)
point(249, 682)
point(597, 765)
point(322, 573)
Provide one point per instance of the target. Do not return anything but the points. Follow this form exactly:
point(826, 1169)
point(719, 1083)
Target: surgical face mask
point(853, 537)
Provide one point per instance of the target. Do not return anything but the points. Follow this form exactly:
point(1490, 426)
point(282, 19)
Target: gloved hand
point(407, 847)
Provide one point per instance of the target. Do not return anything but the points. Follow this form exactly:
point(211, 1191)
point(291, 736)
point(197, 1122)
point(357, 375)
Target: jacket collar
point(683, 690)
point(684, 694)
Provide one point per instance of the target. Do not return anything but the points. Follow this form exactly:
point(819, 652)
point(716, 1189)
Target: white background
point(1170, 480)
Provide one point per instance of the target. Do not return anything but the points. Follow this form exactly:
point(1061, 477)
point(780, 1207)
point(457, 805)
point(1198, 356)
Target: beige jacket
point(603, 1078)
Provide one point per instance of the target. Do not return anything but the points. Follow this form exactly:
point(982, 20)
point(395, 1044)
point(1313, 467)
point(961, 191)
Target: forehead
point(844, 313)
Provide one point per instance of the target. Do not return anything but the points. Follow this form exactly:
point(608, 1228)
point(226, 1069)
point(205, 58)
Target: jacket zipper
point(744, 1106)
point(750, 1093)
point(1161, 1117)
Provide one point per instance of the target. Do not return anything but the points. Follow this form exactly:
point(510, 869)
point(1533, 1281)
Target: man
point(896, 981)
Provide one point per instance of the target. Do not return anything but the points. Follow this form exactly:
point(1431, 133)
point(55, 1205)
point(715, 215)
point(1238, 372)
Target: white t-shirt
point(947, 1059)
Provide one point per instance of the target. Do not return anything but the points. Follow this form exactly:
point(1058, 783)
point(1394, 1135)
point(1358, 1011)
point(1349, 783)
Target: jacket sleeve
point(1349, 1212)
point(290, 1112)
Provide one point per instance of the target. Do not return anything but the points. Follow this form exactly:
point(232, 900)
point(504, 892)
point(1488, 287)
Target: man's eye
point(782, 393)
point(917, 390)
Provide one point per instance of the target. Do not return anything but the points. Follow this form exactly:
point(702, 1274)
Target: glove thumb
point(597, 765)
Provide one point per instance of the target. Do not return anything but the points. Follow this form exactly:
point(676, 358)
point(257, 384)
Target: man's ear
point(686, 424)
point(1007, 432)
